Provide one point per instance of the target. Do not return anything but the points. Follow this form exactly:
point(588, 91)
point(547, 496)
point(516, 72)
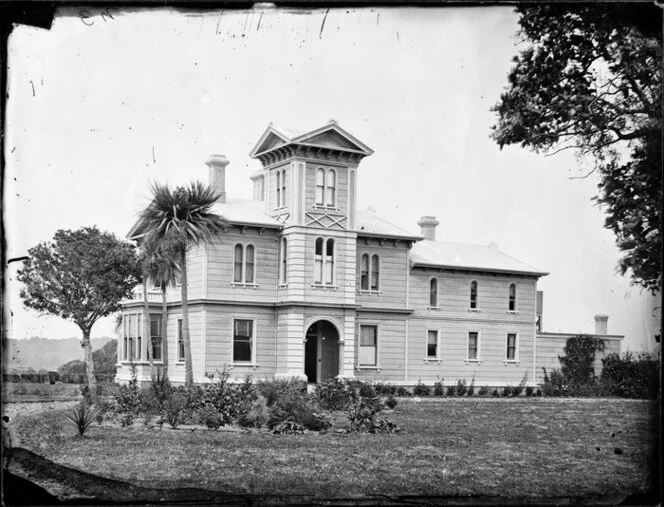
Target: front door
point(321, 352)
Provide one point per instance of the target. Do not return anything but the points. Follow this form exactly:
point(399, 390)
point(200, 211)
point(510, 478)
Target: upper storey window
point(324, 261)
point(473, 295)
point(243, 264)
point(433, 293)
point(326, 183)
point(370, 272)
point(283, 252)
point(512, 298)
point(281, 188)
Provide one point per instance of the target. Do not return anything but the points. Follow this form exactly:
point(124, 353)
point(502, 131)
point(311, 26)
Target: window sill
point(370, 292)
point(282, 286)
point(475, 310)
point(511, 361)
point(324, 286)
point(432, 360)
point(253, 366)
point(281, 208)
point(513, 312)
point(367, 367)
point(244, 285)
point(474, 361)
point(434, 308)
point(139, 362)
point(324, 207)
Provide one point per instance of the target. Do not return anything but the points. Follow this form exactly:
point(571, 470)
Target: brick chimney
point(428, 227)
point(601, 324)
point(217, 174)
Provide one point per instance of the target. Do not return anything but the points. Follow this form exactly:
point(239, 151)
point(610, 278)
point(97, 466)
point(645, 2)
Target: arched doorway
point(321, 351)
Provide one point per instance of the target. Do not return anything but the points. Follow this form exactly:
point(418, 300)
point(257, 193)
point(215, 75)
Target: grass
point(511, 448)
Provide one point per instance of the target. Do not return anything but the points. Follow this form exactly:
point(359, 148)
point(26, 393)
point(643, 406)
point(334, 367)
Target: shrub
point(471, 387)
point(104, 407)
point(495, 392)
point(82, 416)
point(516, 391)
point(630, 377)
point(175, 408)
point(461, 387)
point(161, 388)
point(386, 389)
point(294, 407)
point(403, 391)
point(554, 384)
point(288, 428)
point(391, 402)
point(507, 391)
point(128, 402)
point(223, 397)
point(451, 390)
point(420, 389)
point(335, 394)
point(484, 390)
point(210, 417)
point(274, 389)
point(530, 390)
point(438, 387)
point(254, 414)
point(367, 391)
point(362, 415)
point(578, 363)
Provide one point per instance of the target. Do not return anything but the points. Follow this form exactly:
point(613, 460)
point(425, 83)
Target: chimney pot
point(217, 174)
point(428, 227)
point(601, 327)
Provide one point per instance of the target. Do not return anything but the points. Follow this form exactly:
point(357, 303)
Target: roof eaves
point(475, 268)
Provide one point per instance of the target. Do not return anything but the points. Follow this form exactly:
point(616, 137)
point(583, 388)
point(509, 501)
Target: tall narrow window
point(329, 262)
point(330, 187)
point(155, 335)
point(368, 351)
point(433, 293)
point(512, 298)
point(473, 345)
point(318, 261)
point(249, 265)
point(432, 344)
point(375, 272)
point(139, 343)
point(510, 353)
point(239, 255)
point(283, 187)
point(320, 186)
point(180, 342)
point(364, 272)
point(242, 340)
point(284, 260)
point(473, 294)
point(278, 189)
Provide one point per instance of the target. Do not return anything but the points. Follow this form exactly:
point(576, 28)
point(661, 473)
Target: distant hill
point(45, 353)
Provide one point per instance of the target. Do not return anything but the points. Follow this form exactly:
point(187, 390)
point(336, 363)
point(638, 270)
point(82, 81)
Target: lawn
point(505, 448)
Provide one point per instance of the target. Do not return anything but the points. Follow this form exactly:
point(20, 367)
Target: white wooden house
point(305, 285)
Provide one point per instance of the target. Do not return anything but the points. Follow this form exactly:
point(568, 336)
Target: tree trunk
point(147, 332)
point(89, 363)
point(188, 366)
point(164, 329)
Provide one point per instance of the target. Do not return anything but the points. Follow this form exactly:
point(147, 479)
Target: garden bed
point(481, 447)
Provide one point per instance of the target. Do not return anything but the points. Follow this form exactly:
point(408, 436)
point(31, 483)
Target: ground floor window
point(432, 344)
point(155, 333)
point(368, 351)
point(510, 353)
point(132, 337)
point(243, 333)
point(473, 345)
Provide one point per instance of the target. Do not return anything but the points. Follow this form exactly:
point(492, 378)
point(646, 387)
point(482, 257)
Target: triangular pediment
point(332, 139)
point(270, 139)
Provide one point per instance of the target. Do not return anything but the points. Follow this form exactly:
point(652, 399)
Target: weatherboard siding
point(393, 276)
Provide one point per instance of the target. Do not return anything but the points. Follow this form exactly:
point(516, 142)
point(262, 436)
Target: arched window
point(284, 264)
point(318, 261)
point(512, 298)
point(249, 265)
point(283, 187)
point(329, 262)
point(375, 271)
point(244, 261)
point(330, 186)
point(473, 294)
point(433, 293)
point(320, 186)
point(364, 272)
point(239, 260)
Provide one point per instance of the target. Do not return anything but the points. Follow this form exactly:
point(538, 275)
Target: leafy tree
point(180, 219)
point(578, 363)
point(104, 360)
point(81, 276)
point(590, 79)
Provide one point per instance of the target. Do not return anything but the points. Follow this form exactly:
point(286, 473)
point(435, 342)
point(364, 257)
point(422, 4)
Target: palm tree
point(182, 218)
point(164, 270)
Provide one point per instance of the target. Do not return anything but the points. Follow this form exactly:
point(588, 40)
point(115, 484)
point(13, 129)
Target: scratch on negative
point(219, 21)
point(33, 88)
point(153, 159)
point(322, 25)
point(259, 21)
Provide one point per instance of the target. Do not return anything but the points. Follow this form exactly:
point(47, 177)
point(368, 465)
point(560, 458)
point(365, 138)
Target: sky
point(100, 106)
